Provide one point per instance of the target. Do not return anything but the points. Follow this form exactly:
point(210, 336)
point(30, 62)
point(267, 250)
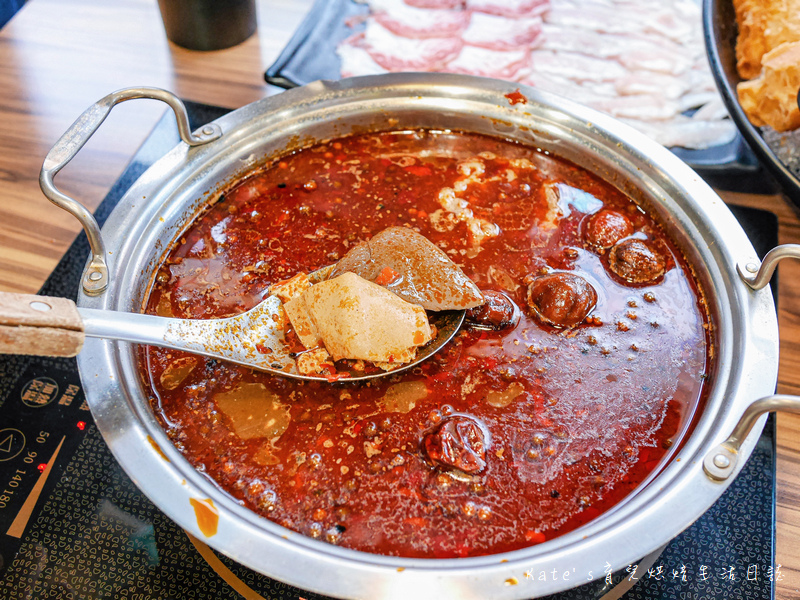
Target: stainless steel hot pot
point(163, 201)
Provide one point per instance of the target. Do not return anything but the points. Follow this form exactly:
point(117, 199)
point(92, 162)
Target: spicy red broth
point(508, 437)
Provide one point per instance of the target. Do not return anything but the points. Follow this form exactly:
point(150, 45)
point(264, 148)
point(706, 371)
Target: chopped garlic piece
point(472, 172)
point(315, 362)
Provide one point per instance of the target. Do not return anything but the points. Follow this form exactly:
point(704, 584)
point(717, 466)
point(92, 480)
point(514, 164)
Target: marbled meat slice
point(361, 320)
point(424, 274)
point(647, 107)
point(677, 21)
point(408, 21)
point(508, 64)
point(633, 51)
point(395, 53)
point(685, 132)
point(502, 33)
point(435, 3)
point(576, 66)
point(355, 59)
point(510, 8)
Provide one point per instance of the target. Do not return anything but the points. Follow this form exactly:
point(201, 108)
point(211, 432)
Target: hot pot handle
point(720, 462)
point(95, 278)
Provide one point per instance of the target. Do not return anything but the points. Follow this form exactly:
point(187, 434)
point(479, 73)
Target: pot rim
point(745, 322)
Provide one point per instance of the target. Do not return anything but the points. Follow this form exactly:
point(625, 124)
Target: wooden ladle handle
point(39, 325)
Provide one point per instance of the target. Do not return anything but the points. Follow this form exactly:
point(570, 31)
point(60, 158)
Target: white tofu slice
point(290, 288)
point(361, 320)
point(304, 327)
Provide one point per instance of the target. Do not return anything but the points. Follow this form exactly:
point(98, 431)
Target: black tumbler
point(208, 24)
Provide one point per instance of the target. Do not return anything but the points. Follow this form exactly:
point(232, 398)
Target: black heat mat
point(73, 525)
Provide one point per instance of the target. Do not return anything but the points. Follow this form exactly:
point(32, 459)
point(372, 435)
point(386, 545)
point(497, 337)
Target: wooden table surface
point(57, 57)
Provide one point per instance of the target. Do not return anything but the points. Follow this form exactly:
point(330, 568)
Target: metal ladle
point(47, 326)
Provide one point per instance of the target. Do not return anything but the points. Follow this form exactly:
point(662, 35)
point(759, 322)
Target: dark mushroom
point(636, 262)
point(605, 228)
point(561, 299)
point(457, 442)
point(498, 312)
